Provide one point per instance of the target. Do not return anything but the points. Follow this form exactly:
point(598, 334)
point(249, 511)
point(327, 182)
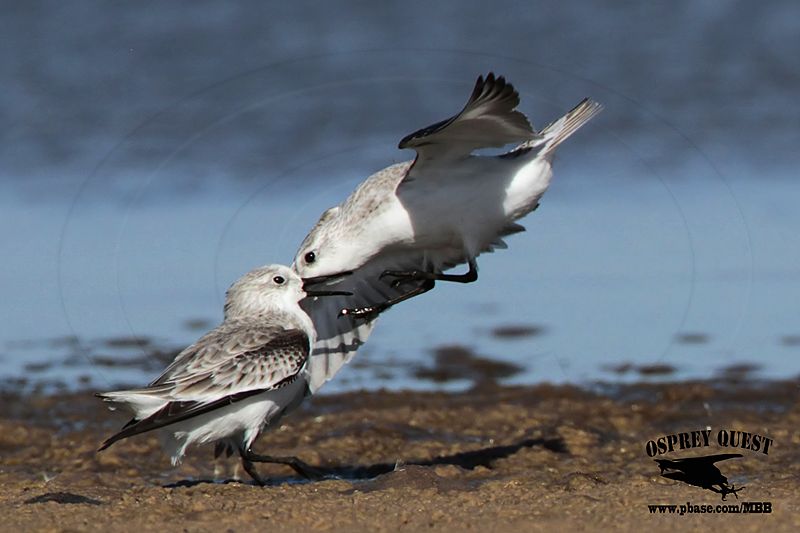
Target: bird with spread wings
point(404, 226)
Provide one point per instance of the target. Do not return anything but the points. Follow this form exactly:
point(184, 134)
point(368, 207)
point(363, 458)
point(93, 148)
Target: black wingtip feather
point(489, 88)
point(128, 430)
point(493, 87)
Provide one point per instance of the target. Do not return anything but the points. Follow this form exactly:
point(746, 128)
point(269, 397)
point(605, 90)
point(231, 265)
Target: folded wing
point(235, 361)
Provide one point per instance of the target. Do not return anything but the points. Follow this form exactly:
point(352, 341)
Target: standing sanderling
point(237, 379)
point(408, 223)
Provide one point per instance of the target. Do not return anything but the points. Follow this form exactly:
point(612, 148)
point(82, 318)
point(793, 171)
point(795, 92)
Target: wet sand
point(492, 458)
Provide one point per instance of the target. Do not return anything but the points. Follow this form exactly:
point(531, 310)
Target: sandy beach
point(492, 458)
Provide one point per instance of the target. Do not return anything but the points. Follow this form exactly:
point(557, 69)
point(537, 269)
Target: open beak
point(322, 279)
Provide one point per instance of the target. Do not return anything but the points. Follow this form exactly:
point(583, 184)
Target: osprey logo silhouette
point(703, 471)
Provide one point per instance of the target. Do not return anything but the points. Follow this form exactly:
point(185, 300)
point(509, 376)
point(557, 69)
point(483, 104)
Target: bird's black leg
point(250, 468)
point(223, 447)
point(373, 311)
point(402, 276)
point(302, 468)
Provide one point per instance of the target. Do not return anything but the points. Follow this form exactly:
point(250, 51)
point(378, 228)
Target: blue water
point(150, 157)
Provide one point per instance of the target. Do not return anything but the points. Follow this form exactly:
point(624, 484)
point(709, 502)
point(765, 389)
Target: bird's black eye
point(310, 257)
point(279, 280)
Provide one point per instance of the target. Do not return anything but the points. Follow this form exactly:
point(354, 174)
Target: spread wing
point(340, 337)
point(488, 120)
point(233, 362)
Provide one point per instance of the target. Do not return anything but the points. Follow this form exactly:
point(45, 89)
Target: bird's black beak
point(328, 293)
point(322, 279)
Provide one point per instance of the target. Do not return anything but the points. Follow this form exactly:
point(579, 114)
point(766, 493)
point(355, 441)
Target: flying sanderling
point(237, 379)
point(408, 223)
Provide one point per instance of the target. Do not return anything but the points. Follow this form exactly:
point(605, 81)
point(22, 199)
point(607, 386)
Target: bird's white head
point(264, 290)
point(270, 289)
point(329, 248)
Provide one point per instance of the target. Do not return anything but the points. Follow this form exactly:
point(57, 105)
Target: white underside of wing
point(339, 338)
point(463, 208)
point(526, 187)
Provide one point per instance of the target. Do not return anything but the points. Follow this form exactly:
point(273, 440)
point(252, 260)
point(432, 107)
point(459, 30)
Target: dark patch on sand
point(128, 342)
point(63, 497)
point(456, 362)
point(67, 341)
point(149, 358)
point(198, 324)
point(738, 372)
point(517, 331)
point(790, 340)
point(692, 338)
point(112, 361)
point(657, 369)
point(154, 359)
point(620, 369)
point(35, 368)
point(124, 353)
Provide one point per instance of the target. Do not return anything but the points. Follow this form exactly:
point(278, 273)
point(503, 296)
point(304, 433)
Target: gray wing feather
point(231, 363)
point(489, 119)
point(235, 357)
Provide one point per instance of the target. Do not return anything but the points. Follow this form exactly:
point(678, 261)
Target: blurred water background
point(151, 153)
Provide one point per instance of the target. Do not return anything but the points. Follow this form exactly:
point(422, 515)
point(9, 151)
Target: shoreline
point(529, 457)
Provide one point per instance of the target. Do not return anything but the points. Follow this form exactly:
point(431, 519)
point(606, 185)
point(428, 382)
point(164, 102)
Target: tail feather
point(141, 403)
point(555, 133)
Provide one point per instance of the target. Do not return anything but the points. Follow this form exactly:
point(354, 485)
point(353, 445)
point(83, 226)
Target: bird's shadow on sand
point(468, 460)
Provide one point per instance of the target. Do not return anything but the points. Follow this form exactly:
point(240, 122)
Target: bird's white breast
point(245, 418)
